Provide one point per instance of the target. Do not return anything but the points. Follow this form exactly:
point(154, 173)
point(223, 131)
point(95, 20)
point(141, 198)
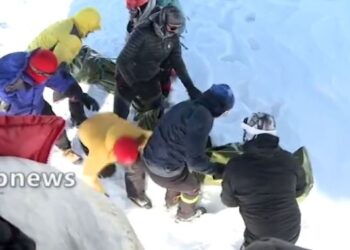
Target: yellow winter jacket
point(99, 134)
point(58, 38)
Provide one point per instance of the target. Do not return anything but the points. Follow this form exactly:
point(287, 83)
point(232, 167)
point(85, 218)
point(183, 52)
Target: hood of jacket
point(212, 102)
point(87, 20)
point(12, 67)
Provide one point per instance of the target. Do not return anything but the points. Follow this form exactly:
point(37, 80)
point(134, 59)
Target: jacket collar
point(263, 144)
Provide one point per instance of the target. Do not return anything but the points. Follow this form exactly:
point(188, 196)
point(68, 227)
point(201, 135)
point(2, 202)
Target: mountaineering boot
point(197, 213)
point(73, 157)
point(142, 201)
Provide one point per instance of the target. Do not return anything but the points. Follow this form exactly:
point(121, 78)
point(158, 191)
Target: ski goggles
point(174, 28)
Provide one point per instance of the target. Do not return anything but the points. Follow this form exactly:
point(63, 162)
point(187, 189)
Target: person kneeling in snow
point(64, 39)
point(264, 182)
point(178, 145)
point(23, 78)
point(109, 139)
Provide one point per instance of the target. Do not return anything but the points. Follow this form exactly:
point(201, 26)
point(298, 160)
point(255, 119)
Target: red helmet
point(42, 65)
point(126, 150)
point(133, 4)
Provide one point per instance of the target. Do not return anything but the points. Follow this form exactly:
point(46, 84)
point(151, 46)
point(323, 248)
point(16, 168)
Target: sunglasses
point(173, 28)
point(41, 73)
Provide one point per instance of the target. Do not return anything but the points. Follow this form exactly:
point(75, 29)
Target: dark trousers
point(183, 188)
point(135, 180)
point(147, 94)
point(62, 142)
point(76, 108)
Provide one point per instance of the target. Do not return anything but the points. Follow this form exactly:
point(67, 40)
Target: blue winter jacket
point(28, 100)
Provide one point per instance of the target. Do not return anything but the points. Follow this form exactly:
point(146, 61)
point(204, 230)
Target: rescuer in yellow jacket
point(64, 39)
point(108, 139)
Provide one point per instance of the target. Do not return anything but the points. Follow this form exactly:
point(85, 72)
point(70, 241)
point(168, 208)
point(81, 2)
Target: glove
point(194, 93)
point(90, 102)
point(219, 172)
point(4, 107)
point(17, 85)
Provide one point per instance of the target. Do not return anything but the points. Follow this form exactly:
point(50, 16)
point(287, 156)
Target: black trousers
point(62, 142)
point(147, 94)
point(76, 108)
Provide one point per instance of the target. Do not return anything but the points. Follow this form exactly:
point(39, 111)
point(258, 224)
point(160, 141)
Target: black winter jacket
point(179, 140)
point(264, 182)
point(147, 48)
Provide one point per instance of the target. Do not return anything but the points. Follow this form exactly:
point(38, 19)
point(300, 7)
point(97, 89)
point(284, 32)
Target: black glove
point(90, 102)
point(219, 172)
point(194, 93)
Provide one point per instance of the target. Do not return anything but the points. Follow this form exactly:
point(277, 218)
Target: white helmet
point(258, 123)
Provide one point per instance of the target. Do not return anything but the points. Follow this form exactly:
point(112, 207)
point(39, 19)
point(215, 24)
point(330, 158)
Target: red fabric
point(166, 87)
point(29, 137)
point(42, 64)
point(126, 151)
point(133, 4)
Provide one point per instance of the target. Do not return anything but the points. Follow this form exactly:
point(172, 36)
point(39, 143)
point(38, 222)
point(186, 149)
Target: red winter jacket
point(29, 137)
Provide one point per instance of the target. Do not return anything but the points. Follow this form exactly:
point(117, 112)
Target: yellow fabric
point(189, 200)
point(58, 37)
point(87, 20)
point(99, 134)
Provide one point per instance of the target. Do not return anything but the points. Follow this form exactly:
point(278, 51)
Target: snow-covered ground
point(287, 57)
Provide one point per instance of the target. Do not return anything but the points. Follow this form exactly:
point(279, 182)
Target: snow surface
point(286, 57)
point(64, 218)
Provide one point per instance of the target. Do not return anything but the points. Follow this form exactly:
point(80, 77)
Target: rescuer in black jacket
point(178, 145)
point(264, 182)
point(152, 43)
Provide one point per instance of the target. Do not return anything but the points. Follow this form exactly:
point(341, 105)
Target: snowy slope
point(63, 218)
point(287, 57)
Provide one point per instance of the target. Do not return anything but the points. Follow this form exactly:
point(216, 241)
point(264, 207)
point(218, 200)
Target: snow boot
point(142, 201)
point(73, 157)
point(197, 213)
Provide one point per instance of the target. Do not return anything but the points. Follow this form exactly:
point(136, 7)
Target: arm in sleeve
point(128, 53)
point(181, 70)
point(227, 193)
point(199, 126)
point(67, 49)
point(301, 181)
point(65, 84)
